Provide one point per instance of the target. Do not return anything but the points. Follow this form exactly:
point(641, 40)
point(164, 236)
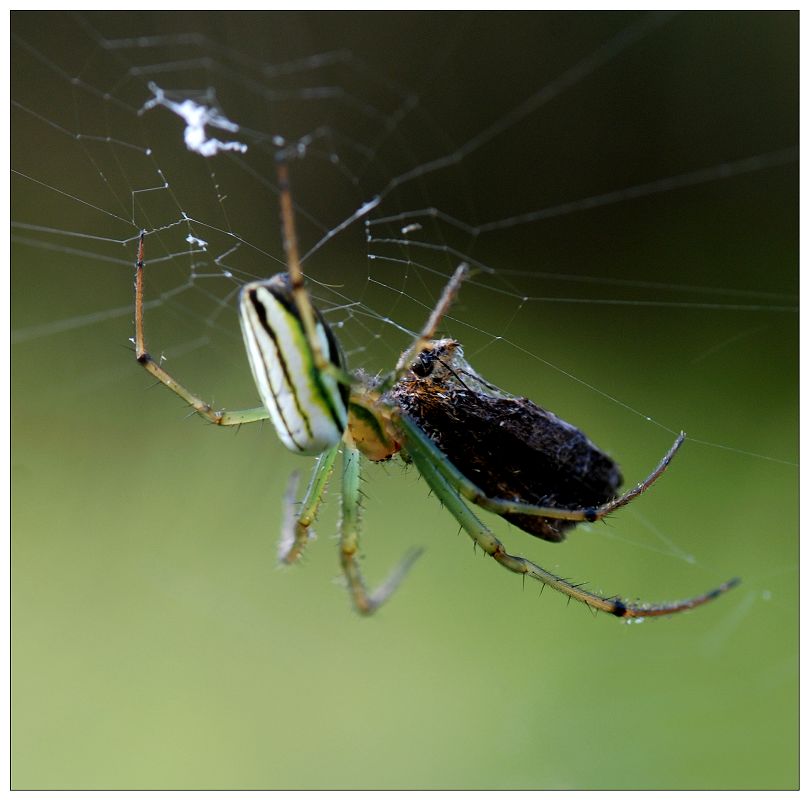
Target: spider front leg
point(434, 472)
point(448, 295)
point(221, 417)
point(502, 506)
point(365, 603)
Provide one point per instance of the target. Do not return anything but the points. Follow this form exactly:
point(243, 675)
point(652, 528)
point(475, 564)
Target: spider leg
point(296, 273)
point(501, 506)
point(365, 603)
point(429, 330)
point(221, 417)
point(482, 536)
point(626, 497)
point(295, 532)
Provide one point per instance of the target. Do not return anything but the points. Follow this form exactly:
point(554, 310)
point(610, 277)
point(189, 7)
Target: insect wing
point(308, 408)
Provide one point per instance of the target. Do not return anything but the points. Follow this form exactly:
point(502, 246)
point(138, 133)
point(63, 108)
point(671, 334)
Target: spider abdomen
point(308, 407)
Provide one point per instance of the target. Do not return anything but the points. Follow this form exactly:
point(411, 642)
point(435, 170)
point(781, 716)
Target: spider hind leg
point(365, 603)
point(296, 527)
point(148, 362)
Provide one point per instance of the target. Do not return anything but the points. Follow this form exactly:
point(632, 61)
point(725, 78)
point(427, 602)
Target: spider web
point(624, 195)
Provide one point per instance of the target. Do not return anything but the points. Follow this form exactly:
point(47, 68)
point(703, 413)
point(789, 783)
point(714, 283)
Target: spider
point(468, 439)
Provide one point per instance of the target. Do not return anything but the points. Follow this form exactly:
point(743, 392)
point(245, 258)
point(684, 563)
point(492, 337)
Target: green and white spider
point(468, 439)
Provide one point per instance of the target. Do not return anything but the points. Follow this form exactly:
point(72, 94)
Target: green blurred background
point(156, 644)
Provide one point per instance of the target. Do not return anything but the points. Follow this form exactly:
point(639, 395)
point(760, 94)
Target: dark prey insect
point(468, 439)
point(508, 447)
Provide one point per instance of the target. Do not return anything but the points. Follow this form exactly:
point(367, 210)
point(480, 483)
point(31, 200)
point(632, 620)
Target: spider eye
point(423, 367)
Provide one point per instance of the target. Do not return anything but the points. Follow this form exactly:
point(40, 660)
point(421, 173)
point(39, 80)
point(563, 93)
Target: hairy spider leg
point(424, 458)
point(501, 506)
point(295, 532)
point(300, 294)
point(219, 417)
point(436, 316)
point(366, 603)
